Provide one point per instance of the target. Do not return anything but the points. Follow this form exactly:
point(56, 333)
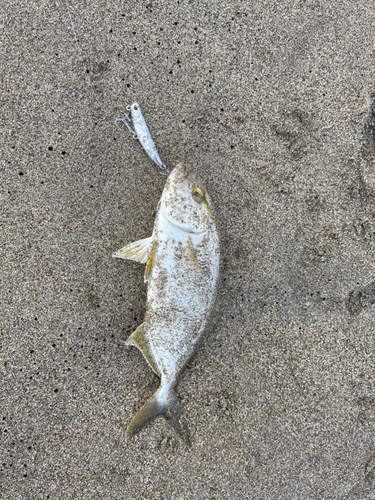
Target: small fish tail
point(163, 402)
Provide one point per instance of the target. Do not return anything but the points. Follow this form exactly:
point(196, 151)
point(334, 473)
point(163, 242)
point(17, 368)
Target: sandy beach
point(272, 104)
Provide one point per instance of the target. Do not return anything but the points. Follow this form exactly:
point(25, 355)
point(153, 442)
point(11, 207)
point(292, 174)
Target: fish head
point(185, 203)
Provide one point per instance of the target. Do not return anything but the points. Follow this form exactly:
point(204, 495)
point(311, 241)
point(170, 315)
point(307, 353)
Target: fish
point(182, 258)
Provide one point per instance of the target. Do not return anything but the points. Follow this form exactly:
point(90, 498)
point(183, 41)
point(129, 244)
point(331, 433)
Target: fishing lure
point(142, 133)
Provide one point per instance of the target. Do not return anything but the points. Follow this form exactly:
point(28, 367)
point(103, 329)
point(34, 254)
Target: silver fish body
point(182, 271)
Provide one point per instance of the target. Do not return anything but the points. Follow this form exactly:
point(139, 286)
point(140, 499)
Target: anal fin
point(138, 339)
point(139, 251)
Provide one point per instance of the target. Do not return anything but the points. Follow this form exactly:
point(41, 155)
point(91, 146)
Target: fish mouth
point(176, 224)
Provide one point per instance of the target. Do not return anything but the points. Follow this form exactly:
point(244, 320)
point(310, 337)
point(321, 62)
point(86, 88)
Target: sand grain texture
point(273, 105)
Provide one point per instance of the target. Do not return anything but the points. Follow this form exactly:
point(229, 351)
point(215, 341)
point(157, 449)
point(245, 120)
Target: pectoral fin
point(139, 251)
point(139, 339)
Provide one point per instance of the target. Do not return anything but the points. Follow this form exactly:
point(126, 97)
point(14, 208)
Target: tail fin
point(163, 402)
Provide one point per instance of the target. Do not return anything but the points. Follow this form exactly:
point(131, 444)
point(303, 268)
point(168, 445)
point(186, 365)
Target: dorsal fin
point(139, 339)
point(138, 250)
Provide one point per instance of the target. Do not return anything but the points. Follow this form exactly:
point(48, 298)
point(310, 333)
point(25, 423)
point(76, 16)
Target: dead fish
point(182, 271)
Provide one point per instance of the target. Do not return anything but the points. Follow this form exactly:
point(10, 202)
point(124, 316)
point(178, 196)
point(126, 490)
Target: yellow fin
point(150, 263)
point(138, 251)
point(138, 339)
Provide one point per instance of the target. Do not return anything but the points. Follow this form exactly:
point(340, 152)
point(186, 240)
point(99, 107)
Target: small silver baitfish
point(182, 270)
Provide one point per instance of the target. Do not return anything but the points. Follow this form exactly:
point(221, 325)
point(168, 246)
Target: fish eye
point(197, 194)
